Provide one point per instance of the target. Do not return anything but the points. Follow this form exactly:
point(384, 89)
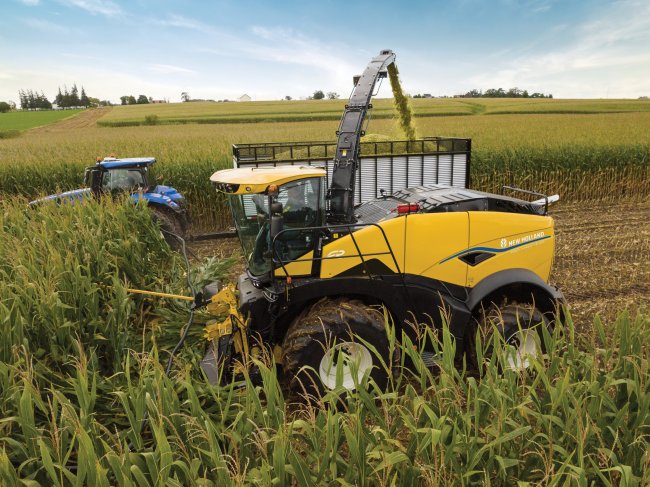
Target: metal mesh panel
point(444, 169)
point(377, 170)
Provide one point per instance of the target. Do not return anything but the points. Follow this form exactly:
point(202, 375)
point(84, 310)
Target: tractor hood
point(161, 195)
point(68, 196)
point(166, 190)
point(169, 192)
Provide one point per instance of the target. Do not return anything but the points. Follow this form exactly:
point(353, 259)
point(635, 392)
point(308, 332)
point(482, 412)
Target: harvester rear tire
point(327, 327)
point(519, 325)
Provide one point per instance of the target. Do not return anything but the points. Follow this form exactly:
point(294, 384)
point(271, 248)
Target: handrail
point(268, 152)
point(333, 229)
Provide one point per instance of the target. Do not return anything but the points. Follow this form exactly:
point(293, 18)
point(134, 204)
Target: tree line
point(131, 100)
point(72, 98)
point(501, 93)
point(319, 95)
point(32, 100)
point(493, 93)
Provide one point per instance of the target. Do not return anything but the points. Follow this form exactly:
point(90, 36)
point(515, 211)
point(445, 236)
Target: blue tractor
point(112, 176)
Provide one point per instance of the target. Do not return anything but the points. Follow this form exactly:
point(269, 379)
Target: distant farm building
point(159, 101)
point(245, 98)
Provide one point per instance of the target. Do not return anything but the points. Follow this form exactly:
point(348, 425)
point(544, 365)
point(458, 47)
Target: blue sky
point(223, 49)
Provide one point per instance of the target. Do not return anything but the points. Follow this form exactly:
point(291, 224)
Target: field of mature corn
point(84, 399)
point(581, 156)
point(313, 110)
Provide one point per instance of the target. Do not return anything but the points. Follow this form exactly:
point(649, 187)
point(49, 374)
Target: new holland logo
point(504, 242)
point(336, 253)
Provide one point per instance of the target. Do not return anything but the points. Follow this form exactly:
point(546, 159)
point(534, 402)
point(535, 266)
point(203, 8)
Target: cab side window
point(301, 208)
point(299, 200)
point(122, 179)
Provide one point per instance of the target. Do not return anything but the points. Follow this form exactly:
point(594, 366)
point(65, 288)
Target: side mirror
point(277, 219)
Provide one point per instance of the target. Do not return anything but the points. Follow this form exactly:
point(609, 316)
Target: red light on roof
point(410, 208)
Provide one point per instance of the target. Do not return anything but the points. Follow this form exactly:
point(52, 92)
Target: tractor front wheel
point(336, 344)
point(169, 226)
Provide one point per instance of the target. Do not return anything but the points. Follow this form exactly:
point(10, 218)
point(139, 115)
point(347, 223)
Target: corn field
point(85, 400)
point(583, 157)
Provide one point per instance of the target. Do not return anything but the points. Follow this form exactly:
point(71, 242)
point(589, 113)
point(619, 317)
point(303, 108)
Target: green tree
point(66, 101)
point(132, 100)
point(23, 99)
point(142, 100)
point(43, 102)
point(332, 95)
point(74, 96)
point(4, 107)
point(185, 96)
point(85, 102)
point(58, 99)
point(318, 95)
point(124, 100)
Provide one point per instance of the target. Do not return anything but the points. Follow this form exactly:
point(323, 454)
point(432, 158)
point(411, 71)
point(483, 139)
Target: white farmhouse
point(245, 98)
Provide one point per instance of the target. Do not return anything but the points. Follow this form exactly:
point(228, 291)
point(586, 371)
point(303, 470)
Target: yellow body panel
point(299, 267)
point(253, 180)
point(430, 238)
point(486, 226)
point(341, 254)
point(431, 244)
point(518, 241)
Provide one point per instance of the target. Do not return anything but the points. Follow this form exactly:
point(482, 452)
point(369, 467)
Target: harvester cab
point(275, 205)
point(338, 237)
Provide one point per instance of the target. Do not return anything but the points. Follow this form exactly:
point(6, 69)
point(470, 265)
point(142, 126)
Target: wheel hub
point(353, 360)
point(523, 345)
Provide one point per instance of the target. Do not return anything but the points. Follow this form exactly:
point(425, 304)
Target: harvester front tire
point(520, 328)
point(332, 331)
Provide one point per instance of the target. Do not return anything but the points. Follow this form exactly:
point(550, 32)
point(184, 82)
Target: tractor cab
point(275, 211)
point(111, 175)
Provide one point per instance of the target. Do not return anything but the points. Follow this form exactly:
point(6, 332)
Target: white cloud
point(274, 45)
point(533, 6)
point(45, 26)
point(599, 62)
point(30, 3)
point(291, 47)
point(181, 22)
point(96, 7)
point(169, 69)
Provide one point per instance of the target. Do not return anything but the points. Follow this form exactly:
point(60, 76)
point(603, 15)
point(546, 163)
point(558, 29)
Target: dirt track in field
point(602, 261)
point(603, 258)
point(85, 119)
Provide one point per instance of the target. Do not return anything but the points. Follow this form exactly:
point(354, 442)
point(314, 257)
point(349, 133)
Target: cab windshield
point(302, 206)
